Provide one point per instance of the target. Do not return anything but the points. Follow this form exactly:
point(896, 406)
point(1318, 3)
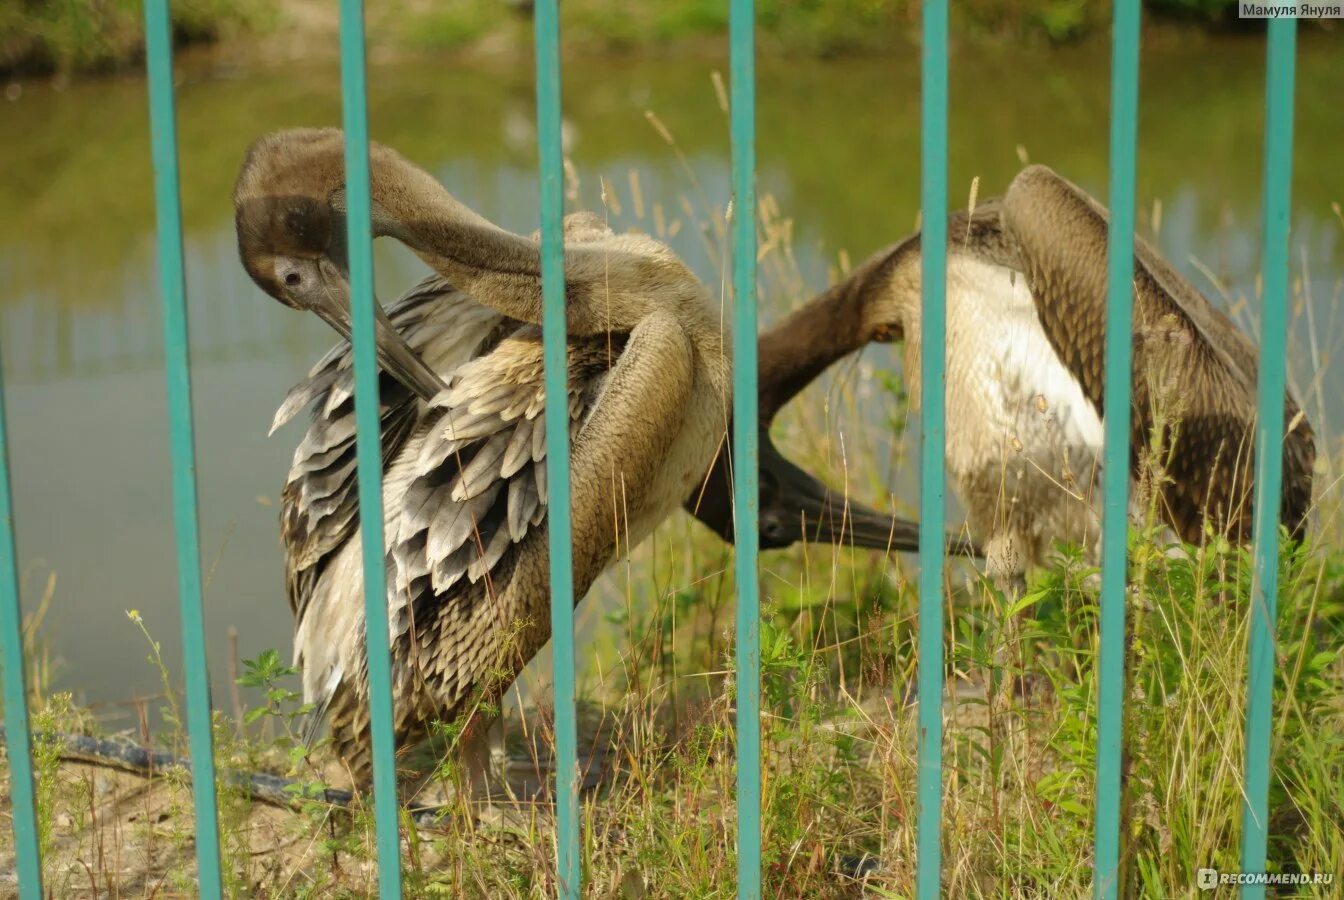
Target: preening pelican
point(437, 332)
point(1026, 325)
point(465, 491)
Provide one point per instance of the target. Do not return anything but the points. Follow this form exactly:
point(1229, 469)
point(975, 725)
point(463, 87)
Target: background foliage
point(98, 35)
point(95, 35)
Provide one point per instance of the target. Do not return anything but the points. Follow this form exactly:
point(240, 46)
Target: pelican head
point(289, 211)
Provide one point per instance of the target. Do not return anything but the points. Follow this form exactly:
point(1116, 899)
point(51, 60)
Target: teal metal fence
point(555, 360)
point(181, 432)
point(18, 744)
point(746, 458)
point(368, 438)
point(1268, 446)
point(932, 477)
point(933, 155)
point(1115, 469)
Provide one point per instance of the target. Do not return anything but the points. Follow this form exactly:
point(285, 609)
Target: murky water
point(838, 148)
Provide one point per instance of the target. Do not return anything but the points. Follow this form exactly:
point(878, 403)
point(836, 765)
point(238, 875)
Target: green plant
point(48, 724)
point(170, 710)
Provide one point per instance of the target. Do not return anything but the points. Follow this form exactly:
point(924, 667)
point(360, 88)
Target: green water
point(838, 150)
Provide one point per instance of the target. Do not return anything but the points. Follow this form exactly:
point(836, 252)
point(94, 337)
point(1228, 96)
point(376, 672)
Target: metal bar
point(555, 363)
point(177, 372)
point(933, 341)
point(1115, 469)
point(18, 740)
point(746, 454)
point(1268, 446)
point(368, 449)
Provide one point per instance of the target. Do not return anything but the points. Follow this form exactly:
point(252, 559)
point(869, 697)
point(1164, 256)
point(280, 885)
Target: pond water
point(838, 150)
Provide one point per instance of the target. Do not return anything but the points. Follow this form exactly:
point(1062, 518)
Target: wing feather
point(523, 504)
point(483, 470)
point(519, 451)
point(454, 524)
point(319, 504)
point(480, 477)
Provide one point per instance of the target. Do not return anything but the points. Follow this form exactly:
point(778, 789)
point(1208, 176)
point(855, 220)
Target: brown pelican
point(465, 489)
point(1026, 301)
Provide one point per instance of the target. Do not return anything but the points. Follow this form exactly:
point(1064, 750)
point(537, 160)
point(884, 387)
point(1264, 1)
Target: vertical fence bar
point(554, 358)
point(932, 478)
point(18, 740)
point(1268, 446)
point(177, 371)
point(368, 444)
point(746, 456)
point(1115, 470)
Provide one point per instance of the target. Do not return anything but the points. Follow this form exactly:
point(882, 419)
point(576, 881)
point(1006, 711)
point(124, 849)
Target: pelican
point(1026, 324)
point(1195, 373)
point(465, 490)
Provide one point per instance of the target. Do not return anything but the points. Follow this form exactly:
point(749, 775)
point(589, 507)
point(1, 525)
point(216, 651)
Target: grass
point(839, 755)
point(838, 662)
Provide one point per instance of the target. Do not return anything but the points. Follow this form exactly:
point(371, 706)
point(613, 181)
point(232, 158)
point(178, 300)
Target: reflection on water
point(79, 321)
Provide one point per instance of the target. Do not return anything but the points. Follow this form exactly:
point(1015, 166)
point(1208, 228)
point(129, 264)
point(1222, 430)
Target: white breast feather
point(1023, 442)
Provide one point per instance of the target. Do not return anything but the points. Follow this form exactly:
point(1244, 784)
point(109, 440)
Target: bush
point(97, 35)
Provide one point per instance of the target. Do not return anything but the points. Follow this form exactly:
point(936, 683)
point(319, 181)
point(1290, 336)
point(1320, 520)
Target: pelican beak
point(395, 356)
point(796, 506)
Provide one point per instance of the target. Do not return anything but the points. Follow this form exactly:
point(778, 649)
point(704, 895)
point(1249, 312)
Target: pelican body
point(1194, 372)
point(1026, 332)
point(1023, 444)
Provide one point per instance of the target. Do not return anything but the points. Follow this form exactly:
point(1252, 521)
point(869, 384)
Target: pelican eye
point(293, 279)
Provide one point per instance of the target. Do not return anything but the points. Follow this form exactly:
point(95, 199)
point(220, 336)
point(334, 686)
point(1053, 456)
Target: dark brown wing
point(1194, 372)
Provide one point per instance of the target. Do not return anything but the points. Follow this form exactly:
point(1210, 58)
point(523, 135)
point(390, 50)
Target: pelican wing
point(1061, 233)
point(319, 502)
point(1188, 355)
point(477, 487)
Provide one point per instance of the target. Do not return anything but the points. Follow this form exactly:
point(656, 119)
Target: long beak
point(820, 515)
point(395, 356)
